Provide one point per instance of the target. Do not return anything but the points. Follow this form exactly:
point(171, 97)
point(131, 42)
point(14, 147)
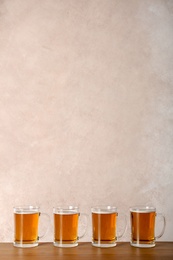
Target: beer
point(26, 220)
point(66, 221)
point(66, 227)
point(26, 227)
point(143, 226)
point(104, 227)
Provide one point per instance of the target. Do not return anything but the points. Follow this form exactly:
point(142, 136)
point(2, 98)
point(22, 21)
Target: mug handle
point(164, 224)
point(125, 224)
point(48, 217)
point(86, 216)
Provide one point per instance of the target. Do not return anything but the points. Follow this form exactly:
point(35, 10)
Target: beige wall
point(86, 106)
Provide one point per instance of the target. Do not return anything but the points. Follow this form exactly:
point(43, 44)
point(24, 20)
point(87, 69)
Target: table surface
point(123, 250)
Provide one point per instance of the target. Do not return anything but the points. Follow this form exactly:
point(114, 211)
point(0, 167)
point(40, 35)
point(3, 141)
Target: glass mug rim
point(104, 209)
point(142, 209)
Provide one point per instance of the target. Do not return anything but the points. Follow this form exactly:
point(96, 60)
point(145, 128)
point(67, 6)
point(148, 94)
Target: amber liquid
point(26, 227)
point(66, 228)
point(104, 227)
point(142, 227)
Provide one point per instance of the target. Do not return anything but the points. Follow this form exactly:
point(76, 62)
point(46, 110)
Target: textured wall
point(86, 106)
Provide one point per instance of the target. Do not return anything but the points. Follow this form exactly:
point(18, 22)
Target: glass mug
point(26, 222)
point(66, 223)
point(104, 226)
point(143, 220)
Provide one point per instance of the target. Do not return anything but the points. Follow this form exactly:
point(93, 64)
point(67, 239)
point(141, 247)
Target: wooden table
point(123, 251)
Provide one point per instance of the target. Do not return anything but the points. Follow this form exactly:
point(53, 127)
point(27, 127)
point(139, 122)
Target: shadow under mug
point(104, 226)
point(143, 220)
point(26, 223)
point(67, 219)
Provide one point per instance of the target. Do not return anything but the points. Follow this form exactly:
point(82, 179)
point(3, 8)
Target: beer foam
point(143, 209)
point(66, 212)
point(104, 209)
point(99, 211)
point(26, 209)
point(25, 212)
